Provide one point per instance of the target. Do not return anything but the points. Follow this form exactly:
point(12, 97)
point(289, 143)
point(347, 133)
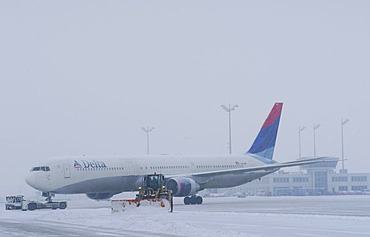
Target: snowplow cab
point(153, 181)
point(153, 186)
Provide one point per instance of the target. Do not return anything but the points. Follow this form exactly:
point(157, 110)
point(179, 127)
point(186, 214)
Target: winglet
point(265, 141)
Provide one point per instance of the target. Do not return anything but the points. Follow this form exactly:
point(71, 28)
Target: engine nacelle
point(182, 187)
point(99, 196)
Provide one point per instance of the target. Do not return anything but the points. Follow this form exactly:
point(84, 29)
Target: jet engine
point(99, 196)
point(182, 187)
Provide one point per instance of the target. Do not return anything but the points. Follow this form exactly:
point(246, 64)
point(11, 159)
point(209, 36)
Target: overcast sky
point(82, 77)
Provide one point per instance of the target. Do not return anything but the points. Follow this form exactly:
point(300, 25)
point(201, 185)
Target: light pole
point(342, 124)
point(147, 130)
point(228, 109)
point(315, 126)
point(300, 129)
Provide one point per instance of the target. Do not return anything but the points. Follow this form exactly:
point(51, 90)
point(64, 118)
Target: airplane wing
point(205, 176)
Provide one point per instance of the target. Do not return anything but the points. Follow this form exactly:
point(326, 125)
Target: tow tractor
point(19, 202)
point(153, 194)
point(14, 202)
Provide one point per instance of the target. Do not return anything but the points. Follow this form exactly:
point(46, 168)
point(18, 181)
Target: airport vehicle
point(13, 202)
point(104, 176)
point(19, 202)
point(153, 193)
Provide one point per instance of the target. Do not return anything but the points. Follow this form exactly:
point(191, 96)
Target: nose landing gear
point(194, 199)
point(48, 196)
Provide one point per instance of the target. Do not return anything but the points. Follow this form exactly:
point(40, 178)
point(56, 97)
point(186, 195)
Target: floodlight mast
point(147, 130)
point(228, 109)
point(300, 129)
point(343, 122)
point(315, 126)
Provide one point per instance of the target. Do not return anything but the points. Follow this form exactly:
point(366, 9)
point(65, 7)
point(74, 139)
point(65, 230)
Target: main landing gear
point(193, 200)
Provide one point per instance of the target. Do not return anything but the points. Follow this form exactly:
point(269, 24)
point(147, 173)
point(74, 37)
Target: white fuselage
point(74, 175)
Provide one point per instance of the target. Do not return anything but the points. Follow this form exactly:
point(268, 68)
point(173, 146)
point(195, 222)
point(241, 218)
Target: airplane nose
point(31, 179)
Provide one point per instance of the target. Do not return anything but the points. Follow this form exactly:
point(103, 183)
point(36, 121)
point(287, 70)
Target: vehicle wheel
point(62, 205)
point(199, 200)
point(193, 200)
point(32, 206)
point(187, 200)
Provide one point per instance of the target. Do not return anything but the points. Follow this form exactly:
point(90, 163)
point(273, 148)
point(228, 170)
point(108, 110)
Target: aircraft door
point(193, 167)
point(130, 169)
point(67, 171)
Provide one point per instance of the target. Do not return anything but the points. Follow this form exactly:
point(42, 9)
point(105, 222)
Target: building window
point(339, 179)
point(282, 191)
point(281, 180)
point(358, 188)
point(359, 178)
point(300, 179)
point(343, 188)
point(321, 180)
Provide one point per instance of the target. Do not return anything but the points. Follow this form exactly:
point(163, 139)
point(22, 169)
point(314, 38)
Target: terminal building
point(314, 179)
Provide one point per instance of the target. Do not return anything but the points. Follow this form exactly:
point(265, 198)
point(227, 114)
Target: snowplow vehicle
point(153, 194)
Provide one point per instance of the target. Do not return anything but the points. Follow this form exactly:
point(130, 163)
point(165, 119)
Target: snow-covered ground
point(231, 216)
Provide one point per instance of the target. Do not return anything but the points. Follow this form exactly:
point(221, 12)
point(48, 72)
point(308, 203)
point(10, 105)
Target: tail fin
point(265, 142)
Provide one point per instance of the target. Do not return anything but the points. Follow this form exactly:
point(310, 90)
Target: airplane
point(101, 177)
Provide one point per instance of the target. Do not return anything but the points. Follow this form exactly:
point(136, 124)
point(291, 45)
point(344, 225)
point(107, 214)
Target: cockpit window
point(41, 168)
